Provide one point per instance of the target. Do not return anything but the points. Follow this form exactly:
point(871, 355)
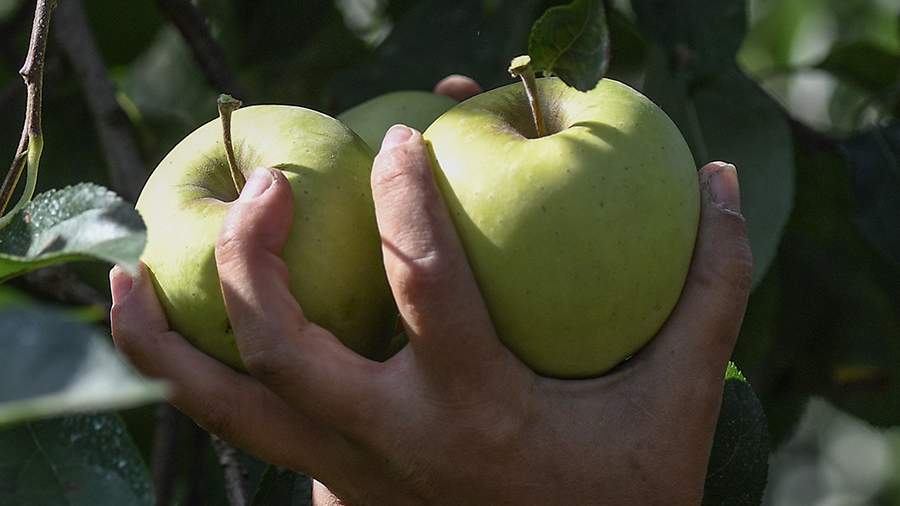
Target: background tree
point(802, 95)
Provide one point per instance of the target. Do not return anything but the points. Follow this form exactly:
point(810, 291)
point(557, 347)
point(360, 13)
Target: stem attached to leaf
point(520, 66)
point(28, 152)
point(227, 105)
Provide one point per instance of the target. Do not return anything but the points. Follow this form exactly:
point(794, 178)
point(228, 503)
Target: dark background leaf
point(700, 37)
point(874, 159)
point(729, 118)
point(739, 461)
point(436, 38)
point(81, 460)
point(281, 487)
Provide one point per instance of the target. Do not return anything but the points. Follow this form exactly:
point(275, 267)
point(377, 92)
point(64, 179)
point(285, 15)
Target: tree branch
point(165, 451)
point(33, 74)
point(126, 168)
point(235, 475)
point(207, 53)
point(60, 283)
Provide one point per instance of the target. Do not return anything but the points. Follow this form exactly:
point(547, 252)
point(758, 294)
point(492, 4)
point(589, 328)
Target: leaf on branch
point(739, 462)
point(572, 42)
point(80, 222)
point(62, 366)
point(86, 459)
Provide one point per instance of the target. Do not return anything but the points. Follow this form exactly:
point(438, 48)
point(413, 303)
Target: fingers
point(700, 334)
point(232, 405)
point(457, 87)
point(300, 361)
point(445, 316)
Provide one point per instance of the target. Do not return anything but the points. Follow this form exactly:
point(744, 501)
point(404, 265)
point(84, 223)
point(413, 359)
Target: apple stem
point(227, 105)
point(520, 67)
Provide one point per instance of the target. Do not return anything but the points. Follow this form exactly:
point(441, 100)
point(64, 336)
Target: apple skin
point(416, 109)
point(581, 240)
point(333, 253)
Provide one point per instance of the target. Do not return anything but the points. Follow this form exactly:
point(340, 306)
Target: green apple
point(333, 253)
point(416, 109)
point(580, 240)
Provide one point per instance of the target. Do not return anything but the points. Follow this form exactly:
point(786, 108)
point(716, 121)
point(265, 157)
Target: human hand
point(454, 417)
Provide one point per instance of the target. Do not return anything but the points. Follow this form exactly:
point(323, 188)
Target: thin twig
point(235, 475)
point(198, 483)
point(33, 74)
point(166, 444)
point(127, 170)
point(60, 283)
point(208, 54)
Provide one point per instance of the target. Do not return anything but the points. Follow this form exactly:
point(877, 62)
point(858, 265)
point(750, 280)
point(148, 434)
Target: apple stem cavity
point(520, 67)
point(227, 105)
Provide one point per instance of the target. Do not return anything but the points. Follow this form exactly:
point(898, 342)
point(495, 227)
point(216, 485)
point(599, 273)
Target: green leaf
point(699, 36)
point(73, 461)
point(281, 487)
point(739, 461)
point(60, 366)
point(729, 118)
point(80, 222)
point(874, 159)
point(572, 42)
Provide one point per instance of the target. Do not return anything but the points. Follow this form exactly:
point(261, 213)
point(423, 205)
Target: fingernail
point(120, 283)
point(259, 182)
point(724, 188)
point(398, 134)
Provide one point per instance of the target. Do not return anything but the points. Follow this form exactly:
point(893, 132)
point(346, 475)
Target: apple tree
point(802, 95)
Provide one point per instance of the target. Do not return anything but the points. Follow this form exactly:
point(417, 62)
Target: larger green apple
point(580, 240)
point(372, 119)
point(333, 253)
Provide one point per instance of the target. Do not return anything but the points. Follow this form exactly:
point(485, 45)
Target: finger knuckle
point(404, 166)
point(269, 365)
point(421, 275)
point(231, 246)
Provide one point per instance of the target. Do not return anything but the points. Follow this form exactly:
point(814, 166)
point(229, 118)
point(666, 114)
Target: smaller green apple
point(417, 109)
point(333, 253)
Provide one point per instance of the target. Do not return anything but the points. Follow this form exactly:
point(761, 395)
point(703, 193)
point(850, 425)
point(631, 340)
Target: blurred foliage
point(803, 95)
point(76, 460)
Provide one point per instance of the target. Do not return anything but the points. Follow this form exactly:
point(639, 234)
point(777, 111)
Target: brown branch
point(61, 283)
point(198, 477)
point(33, 74)
point(126, 168)
point(235, 475)
point(166, 446)
point(207, 53)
